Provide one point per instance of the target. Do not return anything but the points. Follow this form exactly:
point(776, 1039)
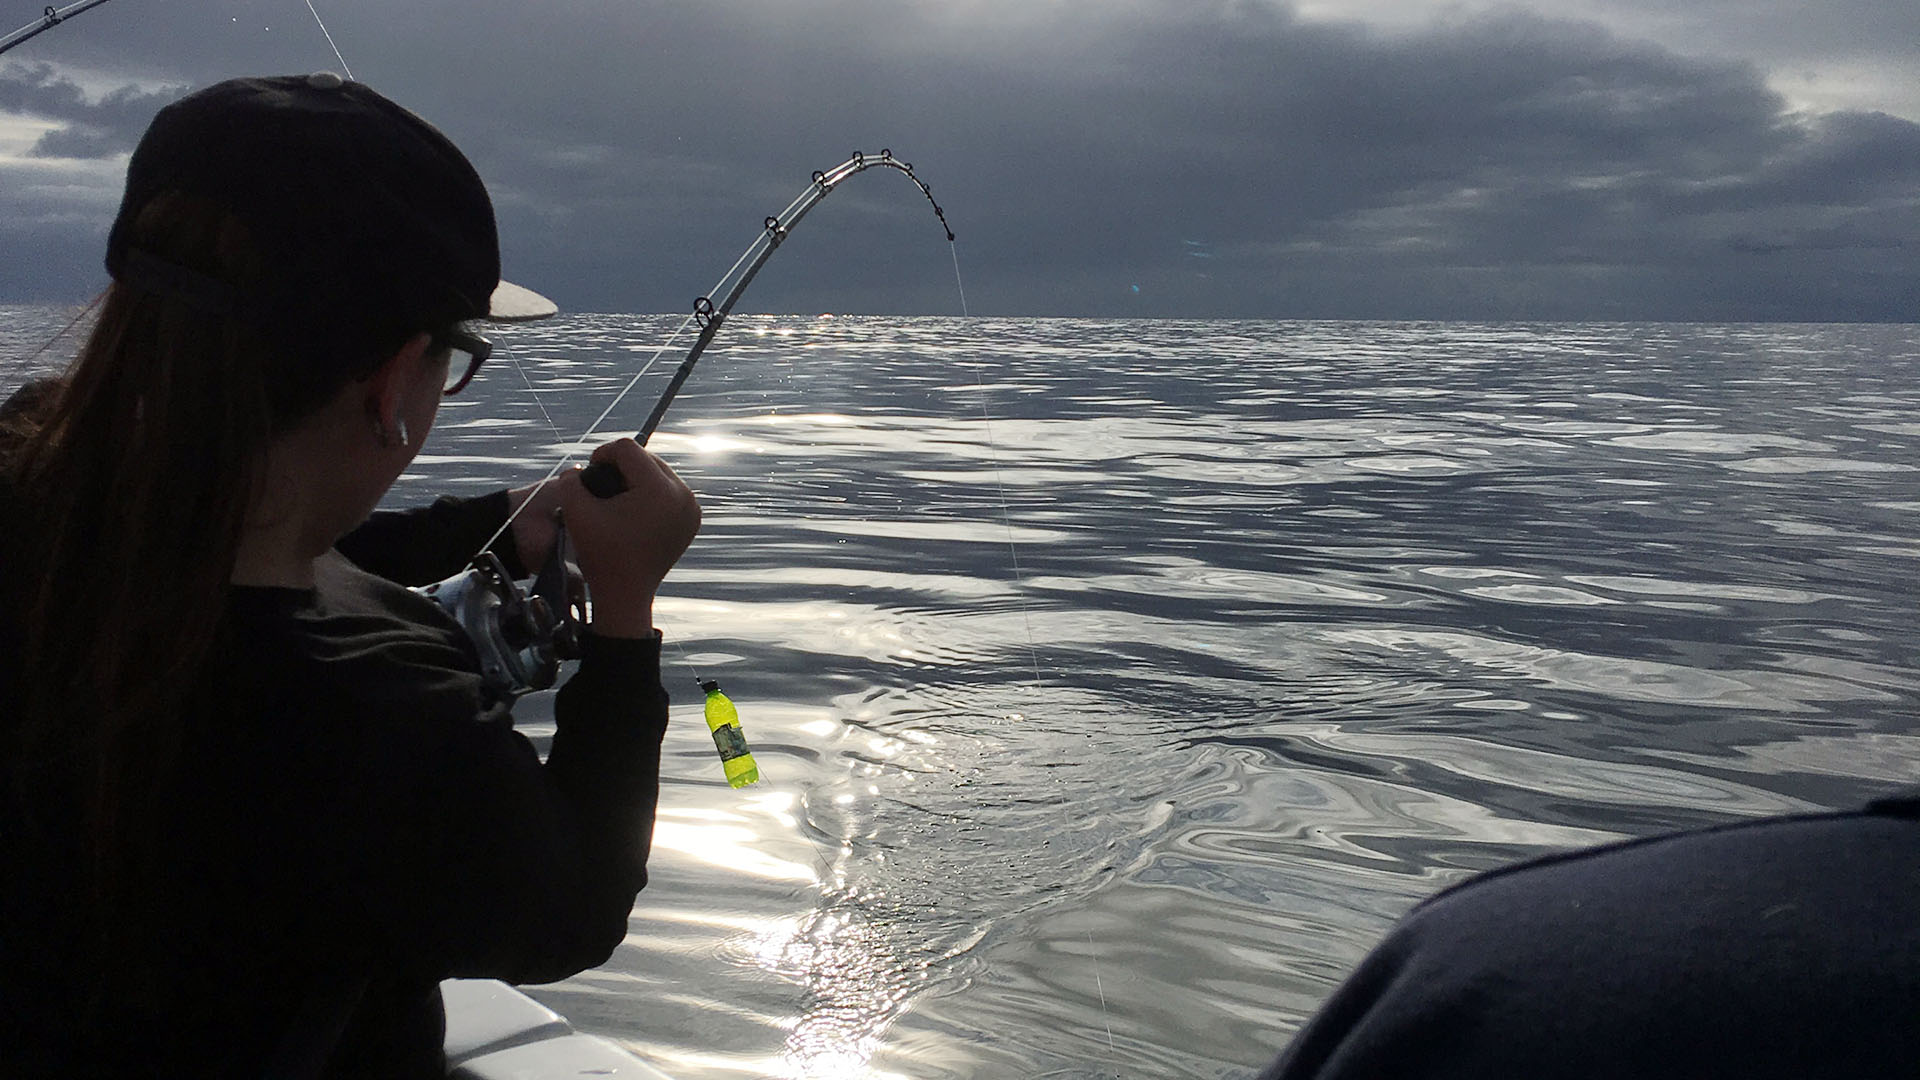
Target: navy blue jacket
point(1780, 949)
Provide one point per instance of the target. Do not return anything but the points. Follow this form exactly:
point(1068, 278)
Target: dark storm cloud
point(92, 128)
point(1490, 168)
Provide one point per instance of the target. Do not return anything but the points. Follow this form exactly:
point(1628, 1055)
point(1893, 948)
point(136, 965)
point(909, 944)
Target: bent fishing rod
point(602, 478)
point(523, 632)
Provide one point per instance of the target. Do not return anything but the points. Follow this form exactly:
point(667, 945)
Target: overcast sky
point(1549, 159)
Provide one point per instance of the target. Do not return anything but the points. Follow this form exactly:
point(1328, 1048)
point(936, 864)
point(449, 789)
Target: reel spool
point(521, 634)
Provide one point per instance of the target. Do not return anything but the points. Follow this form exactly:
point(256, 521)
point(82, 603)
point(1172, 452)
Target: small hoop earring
point(397, 436)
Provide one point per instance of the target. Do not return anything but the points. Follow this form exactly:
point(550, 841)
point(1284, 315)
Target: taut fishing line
point(487, 602)
point(67, 329)
point(329, 37)
point(602, 480)
point(1006, 511)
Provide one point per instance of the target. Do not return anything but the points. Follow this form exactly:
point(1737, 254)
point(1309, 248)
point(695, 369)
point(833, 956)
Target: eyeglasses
point(467, 353)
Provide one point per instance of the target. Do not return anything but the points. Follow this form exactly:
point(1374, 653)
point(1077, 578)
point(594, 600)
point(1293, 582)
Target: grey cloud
point(93, 129)
point(1833, 28)
point(1495, 167)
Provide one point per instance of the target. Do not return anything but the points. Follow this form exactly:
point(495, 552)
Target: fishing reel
point(521, 632)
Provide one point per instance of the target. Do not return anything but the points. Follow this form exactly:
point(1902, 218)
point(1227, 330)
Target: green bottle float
point(724, 721)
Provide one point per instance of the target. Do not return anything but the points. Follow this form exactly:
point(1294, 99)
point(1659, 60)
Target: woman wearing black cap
point(256, 800)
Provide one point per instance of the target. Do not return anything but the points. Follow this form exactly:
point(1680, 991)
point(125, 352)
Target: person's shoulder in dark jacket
point(1785, 947)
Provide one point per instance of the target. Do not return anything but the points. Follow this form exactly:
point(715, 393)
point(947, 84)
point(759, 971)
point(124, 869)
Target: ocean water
point(1117, 684)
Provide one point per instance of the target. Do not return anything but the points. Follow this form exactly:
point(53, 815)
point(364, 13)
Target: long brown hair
point(133, 491)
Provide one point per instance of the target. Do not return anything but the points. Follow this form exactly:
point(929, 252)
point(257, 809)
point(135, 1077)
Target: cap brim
point(512, 303)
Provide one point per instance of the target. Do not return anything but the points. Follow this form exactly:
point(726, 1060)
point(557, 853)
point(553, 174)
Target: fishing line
point(512, 357)
point(710, 316)
point(731, 285)
point(1026, 612)
point(999, 482)
point(329, 36)
point(65, 330)
point(538, 402)
point(573, 449)
point(1006, 519)
point(1026, 608)
point(1094, 951)
point(955, 250)
point(759, 246)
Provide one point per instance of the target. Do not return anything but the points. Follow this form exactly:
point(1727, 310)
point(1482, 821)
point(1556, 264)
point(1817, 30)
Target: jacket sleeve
point(612, 717)
point(447, 847)
point(422, 545)
point(543, 878)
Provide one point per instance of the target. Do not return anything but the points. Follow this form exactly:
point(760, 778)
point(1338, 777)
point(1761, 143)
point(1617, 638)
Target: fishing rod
point(602, 478)
point(48, 19)
point(523, 632)
point(53, 17)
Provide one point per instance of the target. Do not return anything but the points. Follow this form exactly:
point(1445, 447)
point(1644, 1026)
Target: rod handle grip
point(603, 479)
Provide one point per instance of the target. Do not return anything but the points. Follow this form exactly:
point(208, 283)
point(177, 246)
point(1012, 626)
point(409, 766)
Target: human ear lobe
point(387, 388)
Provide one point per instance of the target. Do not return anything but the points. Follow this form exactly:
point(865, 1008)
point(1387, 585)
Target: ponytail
point(133, 486)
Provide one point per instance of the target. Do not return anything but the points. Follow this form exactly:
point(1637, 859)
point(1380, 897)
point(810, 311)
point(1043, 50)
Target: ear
point(387, 388)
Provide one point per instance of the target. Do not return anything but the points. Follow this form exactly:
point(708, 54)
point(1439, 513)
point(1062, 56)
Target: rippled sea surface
point(1117, 684)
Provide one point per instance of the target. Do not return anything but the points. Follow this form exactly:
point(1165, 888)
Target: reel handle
point(603, 479)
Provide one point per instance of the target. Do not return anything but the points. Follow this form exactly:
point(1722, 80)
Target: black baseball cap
point(359, 209)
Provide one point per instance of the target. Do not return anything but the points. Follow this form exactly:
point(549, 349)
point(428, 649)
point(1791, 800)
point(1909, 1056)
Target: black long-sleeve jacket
point(353, 821)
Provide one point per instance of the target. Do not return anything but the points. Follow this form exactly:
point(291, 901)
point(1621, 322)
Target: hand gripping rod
point(602, 478)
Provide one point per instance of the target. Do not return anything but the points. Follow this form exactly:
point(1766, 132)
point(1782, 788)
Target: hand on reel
point(521, 633)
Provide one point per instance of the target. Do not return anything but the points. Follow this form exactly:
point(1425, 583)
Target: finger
point(616, 450)
point(565, 480)
point(632, 464)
